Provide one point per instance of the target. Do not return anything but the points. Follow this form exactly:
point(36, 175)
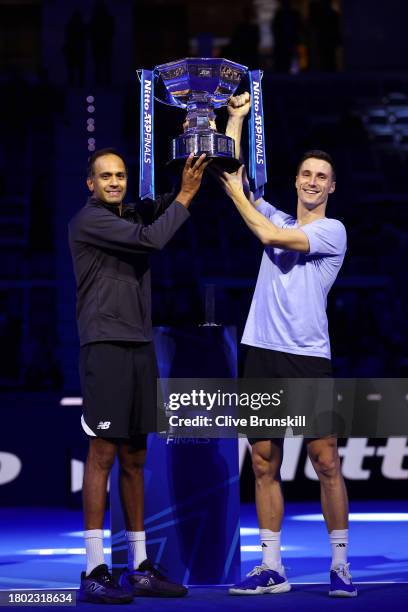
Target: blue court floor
point(43, 548)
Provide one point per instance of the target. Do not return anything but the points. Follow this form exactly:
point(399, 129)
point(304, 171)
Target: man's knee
point(266, 465)
point(102, 454)
point(326, 462)
point(132, 461)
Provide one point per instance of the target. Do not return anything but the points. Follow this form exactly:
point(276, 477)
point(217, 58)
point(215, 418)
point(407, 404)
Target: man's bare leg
point(266, 462)
point(326, 462)
point(325, 459)
point(101, 456)
point(270, 576)
point(131, 485)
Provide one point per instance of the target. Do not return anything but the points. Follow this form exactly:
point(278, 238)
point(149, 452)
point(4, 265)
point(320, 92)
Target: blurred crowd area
point(310, 102)
point(286, 36)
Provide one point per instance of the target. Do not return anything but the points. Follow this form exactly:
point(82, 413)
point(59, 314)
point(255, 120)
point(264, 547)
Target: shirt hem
point(287, 349)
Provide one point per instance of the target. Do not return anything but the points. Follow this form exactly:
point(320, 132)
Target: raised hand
point(191, 178)
point(230, 182)
point(238, 106)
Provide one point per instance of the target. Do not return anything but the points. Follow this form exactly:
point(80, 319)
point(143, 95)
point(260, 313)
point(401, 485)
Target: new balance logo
point(104, 425)
point(94, 586)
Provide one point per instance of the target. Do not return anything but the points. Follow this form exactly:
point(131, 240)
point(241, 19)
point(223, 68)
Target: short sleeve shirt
point(288, 309)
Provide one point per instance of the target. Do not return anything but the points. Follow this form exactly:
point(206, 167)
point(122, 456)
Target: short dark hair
point(318, 154)
point(100, 153)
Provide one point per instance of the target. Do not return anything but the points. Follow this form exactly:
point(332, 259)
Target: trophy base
point(219, 147)
point(228, 164)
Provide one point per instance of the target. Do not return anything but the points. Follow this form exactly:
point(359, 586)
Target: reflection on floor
point(43, 548)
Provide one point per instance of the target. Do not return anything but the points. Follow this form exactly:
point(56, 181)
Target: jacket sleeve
point(98, 227)
point(150, 210)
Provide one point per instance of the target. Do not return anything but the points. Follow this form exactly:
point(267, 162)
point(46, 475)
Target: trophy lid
point(217, 77)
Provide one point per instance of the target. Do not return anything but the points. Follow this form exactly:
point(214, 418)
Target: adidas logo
point(264, 545)
point(104, 425)
point(270, 582)
point(340, 545)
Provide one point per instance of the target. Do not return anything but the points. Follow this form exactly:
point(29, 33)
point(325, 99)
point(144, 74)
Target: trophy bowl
point(200, 85)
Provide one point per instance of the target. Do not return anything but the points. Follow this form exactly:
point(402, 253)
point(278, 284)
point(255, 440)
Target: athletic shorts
point(266, 363)
point(118, 381)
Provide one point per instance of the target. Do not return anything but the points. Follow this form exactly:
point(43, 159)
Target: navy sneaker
point(340, 582)
point(262, 580)
point(101, 587)
point(149, 582)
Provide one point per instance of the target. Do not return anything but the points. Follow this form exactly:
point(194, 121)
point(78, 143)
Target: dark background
point(338, 81)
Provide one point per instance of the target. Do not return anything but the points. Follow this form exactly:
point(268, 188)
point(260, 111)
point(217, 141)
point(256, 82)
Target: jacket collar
point(127, 209)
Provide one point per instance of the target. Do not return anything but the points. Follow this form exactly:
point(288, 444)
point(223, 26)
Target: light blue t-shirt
point(288, 310)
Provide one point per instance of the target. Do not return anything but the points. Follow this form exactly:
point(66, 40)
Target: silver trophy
point(201, 85)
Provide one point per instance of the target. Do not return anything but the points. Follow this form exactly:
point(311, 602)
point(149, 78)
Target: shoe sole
point(275, 589)
point(343, 593)
point(153, 594)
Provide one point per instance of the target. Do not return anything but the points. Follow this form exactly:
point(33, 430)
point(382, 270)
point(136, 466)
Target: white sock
point(94, 549)
point(136, 548)
point(270, 542)
point(339, 545)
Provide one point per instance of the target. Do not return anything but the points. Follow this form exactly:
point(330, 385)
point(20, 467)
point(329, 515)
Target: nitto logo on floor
point(10, 467)
point(104, 425)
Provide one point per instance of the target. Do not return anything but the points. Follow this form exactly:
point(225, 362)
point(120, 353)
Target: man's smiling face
point(109, 179)
point(314, 182)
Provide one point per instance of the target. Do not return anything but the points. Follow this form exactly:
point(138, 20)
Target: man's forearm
point(234, 131)
point(263, 229)
point(184, 197)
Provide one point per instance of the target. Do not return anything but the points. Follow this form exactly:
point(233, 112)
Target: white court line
point(354, 582)
point(58, 551)
point(80, 534)
point(383, 517)
point(247, 531)
point(71, 401)
point(53, 584)
point(41, 589)
point(203, 586)
point(199, 586)
point(258, 548)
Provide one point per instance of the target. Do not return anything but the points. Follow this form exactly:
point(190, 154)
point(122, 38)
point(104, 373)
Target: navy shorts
point(118, 381)
point(266, 363)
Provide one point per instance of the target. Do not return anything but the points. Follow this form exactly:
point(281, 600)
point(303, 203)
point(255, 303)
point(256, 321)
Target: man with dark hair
point(100, 153)
point(110, 243)
point(287, 334)
point(318, 154)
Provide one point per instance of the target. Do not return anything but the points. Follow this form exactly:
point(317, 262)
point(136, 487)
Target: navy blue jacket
point(111, 265)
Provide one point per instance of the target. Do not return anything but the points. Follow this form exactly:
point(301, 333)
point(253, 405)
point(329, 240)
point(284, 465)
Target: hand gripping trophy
point(200, 85)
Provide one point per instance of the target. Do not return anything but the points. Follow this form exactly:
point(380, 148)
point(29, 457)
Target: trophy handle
point(170, 100)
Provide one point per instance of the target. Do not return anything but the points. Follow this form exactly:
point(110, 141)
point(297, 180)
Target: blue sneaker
point(100, 587)
point(340, 582)
point(262, 580)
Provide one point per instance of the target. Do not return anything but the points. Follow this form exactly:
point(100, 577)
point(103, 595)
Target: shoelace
point(107, 579)
point(258, 569)
point(154, 569)
point(344, 571)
